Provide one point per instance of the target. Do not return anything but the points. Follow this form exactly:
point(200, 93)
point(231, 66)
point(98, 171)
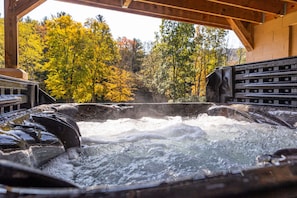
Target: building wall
point(275, 39)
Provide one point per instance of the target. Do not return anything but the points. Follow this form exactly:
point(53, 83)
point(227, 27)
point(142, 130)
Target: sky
point(120, 23)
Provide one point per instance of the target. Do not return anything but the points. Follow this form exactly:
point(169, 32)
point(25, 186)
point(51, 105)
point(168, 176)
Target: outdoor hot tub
point(149, 150)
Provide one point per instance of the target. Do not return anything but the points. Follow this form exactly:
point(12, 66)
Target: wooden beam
point(275, 7)
point(181, 15)
point(244, 34)
point(157, 11)
point(126, 3)
point(10, 34)
point(23, 7)
point(206, 7)
point(290, 1)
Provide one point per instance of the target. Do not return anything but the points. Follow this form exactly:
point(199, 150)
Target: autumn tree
point(210, 52)
point(30, 47)
point(132, 54)
point(102, 53)
point(107, 82)
point(82, 62)
point(119, 84)
point(65, 40)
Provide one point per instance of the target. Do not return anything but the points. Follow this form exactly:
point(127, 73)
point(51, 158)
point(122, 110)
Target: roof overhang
point(237, 15)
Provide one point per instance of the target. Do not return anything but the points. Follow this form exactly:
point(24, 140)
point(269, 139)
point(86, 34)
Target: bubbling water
point(134, 151)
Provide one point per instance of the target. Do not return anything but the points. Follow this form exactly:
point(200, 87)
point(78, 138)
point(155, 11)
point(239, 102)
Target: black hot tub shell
point(31, 137)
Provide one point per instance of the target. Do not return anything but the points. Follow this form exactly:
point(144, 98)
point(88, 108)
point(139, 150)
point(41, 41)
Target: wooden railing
point(16, 94)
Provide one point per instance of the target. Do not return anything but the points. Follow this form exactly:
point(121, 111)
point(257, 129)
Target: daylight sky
point(120, 23)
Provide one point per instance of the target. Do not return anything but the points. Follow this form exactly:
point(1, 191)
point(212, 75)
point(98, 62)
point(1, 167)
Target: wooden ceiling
point(237, 15)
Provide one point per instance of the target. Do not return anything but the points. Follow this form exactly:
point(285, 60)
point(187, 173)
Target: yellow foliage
point(80, 60)
point(119, 86)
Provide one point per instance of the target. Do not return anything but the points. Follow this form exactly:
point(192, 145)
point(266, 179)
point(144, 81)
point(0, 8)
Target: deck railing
point(16, 94)
point(272, 83)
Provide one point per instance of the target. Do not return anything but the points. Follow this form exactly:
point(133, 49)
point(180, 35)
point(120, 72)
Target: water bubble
point(134, 151)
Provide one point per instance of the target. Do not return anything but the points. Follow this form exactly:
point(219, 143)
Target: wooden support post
point(11, 35)
point(13, 10)
point(11, 42)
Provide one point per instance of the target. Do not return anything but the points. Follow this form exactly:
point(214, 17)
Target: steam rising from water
point(128, 151)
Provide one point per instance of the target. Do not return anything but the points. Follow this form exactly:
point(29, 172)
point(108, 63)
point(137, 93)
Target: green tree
point(210, 53)
point(241, 54)
point(181, 58)
point(177, 47)
point(151, 74)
